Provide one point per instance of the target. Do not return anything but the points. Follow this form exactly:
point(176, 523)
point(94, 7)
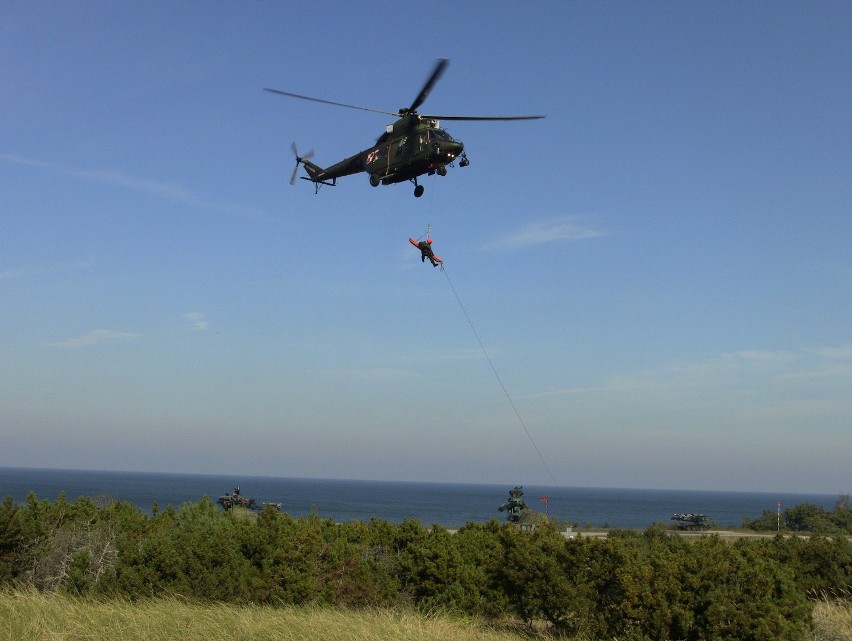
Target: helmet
point(429, 240)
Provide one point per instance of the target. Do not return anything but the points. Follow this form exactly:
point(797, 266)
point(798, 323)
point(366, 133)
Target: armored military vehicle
point(691, 522)
point(515, 506)
point(235, 499)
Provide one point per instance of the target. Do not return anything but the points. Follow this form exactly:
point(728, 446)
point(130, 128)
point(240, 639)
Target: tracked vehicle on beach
point(691, 522)
point(230, 500)
point(234, 499)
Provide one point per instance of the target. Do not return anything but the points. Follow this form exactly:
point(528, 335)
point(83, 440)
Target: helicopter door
point(430, 141)
point(378, 160)
point(400, 150)
point(386, 159)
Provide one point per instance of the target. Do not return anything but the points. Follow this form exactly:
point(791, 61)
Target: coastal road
point(728, 535)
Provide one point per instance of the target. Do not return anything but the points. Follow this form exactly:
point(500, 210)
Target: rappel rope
point(487, 357)
point(499, 380)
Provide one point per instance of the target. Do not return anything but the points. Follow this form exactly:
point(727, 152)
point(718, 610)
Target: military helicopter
point(412, 146)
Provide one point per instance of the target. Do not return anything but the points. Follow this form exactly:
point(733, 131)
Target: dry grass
point(32, 616)
point(833, 620)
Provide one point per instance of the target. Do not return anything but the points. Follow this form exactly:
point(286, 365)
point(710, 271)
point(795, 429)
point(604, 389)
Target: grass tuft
point(38, 616)
point(832, 617)
point(34, 616)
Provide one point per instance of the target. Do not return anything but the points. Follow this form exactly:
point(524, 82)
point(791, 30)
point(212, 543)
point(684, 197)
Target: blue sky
point(660, 271)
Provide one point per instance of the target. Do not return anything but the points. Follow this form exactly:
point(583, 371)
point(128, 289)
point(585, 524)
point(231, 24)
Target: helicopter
point(412, 146)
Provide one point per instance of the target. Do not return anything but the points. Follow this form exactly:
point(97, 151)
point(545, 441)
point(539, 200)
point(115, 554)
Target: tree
point(808, 517)
point(744, 594)
point(479, 549)
point(436, 573)
point(841, 515)
point(532, 578)
point(11, 538)
point(766, 522)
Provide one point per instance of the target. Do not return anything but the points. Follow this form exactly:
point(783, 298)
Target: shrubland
point(806, 517)
point(629, 585)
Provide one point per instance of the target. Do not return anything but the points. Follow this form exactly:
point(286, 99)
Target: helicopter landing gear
point(375, 180)
point(442, 171)
point(464, 162)
point(418, 191)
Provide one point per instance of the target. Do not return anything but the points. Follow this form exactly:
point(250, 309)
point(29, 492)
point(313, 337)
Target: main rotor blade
point(483, 117)
point(330, 102)
point(440, 66)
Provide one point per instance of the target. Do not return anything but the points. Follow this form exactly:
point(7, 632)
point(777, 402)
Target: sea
point(448, 504)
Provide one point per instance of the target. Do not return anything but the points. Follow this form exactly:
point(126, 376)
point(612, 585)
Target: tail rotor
point(299, 160)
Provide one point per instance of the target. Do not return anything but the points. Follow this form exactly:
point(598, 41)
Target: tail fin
point(314, 171)
point(326, 175)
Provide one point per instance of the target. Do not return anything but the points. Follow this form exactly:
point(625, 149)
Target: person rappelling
point(425, 247)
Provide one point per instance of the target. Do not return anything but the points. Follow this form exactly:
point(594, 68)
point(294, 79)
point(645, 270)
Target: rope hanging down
point(497, 376)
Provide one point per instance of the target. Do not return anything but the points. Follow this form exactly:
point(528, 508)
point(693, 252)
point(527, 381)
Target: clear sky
point(660, 271)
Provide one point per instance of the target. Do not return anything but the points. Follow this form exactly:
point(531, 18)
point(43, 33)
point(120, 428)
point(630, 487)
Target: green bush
point(806, 517)
point(630, 585)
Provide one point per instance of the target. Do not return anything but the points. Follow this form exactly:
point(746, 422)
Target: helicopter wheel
point(442, 171)
point(374, 180)
point(418, 191)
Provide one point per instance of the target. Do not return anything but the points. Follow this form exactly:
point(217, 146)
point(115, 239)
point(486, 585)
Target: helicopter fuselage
point(410, 147)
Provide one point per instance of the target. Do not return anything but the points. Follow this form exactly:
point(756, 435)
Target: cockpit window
point(440, 134)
